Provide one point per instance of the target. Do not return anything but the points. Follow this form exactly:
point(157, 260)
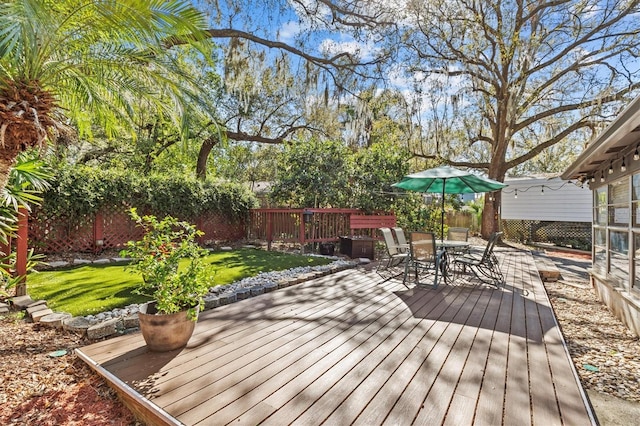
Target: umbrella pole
point(442, 213)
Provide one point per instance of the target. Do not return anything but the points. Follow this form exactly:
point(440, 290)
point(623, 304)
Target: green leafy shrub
point(82, 190)
point(156, 257)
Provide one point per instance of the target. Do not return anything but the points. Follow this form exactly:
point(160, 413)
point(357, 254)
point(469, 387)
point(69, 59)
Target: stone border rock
point(125, 320)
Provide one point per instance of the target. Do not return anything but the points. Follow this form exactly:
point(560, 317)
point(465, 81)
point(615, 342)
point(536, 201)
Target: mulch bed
point(39, 385)
point(606, 354)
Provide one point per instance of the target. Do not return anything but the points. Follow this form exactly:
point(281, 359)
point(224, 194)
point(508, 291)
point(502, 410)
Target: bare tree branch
point(281, 138)
point(550, 142)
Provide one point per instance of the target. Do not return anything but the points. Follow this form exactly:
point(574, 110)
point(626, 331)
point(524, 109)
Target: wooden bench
point(371, 223)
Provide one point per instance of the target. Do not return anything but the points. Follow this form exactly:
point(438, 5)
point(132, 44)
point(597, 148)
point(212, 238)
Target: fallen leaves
point(36, 388)
point(605, 352)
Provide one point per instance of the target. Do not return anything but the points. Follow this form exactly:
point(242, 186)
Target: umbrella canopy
point(447, 180)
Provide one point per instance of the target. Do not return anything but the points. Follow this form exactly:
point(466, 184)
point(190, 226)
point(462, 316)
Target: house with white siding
point(610, 166)
point(535, 209)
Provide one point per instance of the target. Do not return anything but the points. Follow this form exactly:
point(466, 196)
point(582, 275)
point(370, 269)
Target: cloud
point(330, 47)
point(288, 31)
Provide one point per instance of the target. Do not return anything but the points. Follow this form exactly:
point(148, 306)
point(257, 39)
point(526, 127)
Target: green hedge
point(80, 191)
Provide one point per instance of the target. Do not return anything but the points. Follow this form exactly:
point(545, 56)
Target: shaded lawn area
point(90, 289)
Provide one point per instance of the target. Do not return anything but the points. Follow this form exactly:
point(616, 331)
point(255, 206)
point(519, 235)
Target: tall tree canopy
point(493, 83)
point(519, 76)
point(85, 63)
point(287, 65)
point(490, 84)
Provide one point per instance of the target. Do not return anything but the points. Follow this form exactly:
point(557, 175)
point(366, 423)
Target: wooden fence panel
point(275, 224)
point(462, 219)
point(328, 225)
point(306, 225)
point(565, 234)
point(117, 228)
point(368, 225)
point(111, 228)
point(218, 227)
point(60, 235)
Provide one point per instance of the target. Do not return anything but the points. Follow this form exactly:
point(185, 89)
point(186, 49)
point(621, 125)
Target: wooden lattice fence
point(218, 227)
point(564, 234)
point(59, 235)
point(111, 228)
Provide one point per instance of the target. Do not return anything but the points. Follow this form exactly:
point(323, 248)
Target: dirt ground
point(43, 382)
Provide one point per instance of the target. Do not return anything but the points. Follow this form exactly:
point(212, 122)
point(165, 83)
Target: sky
point(280, 22)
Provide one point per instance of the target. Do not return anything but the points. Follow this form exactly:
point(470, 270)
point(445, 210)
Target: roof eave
point(624, 123)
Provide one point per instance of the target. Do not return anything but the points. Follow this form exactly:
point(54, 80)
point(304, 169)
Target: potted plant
point(173, 275)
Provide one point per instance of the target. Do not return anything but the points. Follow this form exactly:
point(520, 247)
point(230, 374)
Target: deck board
point(352, 348)
point(544, 407)
point(463, 403)
point(329, 387)
point(310, 361)
point(444, 383)
point(516, 408)
point(428, 351)
point(360, 393)
point(258, 365)
point(490, 399)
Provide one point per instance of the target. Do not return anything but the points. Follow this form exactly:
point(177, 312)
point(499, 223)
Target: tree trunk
point(22, 248)
point(490, 214)
point(203, 155)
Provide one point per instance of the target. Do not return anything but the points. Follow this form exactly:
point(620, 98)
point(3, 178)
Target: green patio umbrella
point(447, 180)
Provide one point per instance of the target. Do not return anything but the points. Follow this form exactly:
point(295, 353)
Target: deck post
point(21, 250)
point(269, 230)
point(301, 232)
point(98, 232)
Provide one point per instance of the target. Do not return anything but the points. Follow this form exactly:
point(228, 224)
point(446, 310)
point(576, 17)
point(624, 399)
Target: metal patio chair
point(403, 246)
point(392, 263)
point(485, 267)
point(458, 234)
point(424, 258)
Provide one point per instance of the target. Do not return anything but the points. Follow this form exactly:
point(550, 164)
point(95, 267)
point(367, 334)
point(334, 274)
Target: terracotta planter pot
point(164, 332)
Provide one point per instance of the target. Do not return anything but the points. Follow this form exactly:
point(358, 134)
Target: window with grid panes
point(635, 209)
point(600, 230)
point(619, 226)
point(619, 256)
point(619, 214)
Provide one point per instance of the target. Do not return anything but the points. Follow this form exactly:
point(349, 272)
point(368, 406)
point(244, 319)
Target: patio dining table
point(449, 246)
point(452, 244)
point(443, 258)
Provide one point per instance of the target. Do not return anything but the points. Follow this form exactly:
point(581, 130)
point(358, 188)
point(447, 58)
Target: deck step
point(546, 268)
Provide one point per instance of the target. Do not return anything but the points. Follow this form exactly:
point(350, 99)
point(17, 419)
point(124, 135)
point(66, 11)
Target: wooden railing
point(307, 225)
point(357, 223)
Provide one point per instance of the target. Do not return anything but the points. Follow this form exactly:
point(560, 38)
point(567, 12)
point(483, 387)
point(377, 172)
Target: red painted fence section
point(299, 225)
point(370, 222)
point(313, 225)
point(111, 228)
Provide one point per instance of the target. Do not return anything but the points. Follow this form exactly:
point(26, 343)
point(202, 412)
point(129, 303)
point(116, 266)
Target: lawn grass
point(90, 289)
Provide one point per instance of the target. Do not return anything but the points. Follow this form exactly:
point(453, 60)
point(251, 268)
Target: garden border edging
point(125, 320)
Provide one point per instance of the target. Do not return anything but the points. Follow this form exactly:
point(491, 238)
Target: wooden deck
point(349, 348)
